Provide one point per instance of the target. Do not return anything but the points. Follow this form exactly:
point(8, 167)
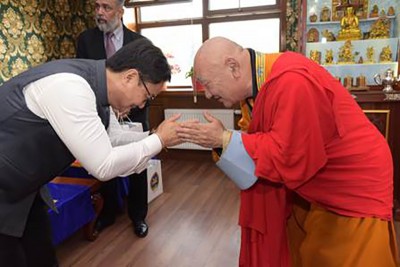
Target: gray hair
point(120, 2)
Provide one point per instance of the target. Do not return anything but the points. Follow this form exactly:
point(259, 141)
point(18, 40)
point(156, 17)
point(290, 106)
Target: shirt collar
point(118, 33)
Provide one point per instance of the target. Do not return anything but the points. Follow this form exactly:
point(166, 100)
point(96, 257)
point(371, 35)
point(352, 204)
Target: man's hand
point(204, 134)
point(167, 131)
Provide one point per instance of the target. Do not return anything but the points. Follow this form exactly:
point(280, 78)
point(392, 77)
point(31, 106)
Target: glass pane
point(129, 18)
point(192, 9)
point(227, 4)
point(248, 34)
point(179, 44)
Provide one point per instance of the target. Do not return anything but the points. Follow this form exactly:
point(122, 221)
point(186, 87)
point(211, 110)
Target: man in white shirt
point(57, 112)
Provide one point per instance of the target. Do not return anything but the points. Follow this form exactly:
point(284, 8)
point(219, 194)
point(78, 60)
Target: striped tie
point(110, 47)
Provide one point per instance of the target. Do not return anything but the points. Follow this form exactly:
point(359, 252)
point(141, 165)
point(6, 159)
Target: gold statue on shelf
point(391, 11)
point(325, 14)
point(350, 29)
point(312, 35)
point(386, 54)
point(330, 37)
point(380, 29)
point(346, 53)
point(313, 17)
point(328, 56)
point(370, 54)
point(374, 12)
point(315, 56)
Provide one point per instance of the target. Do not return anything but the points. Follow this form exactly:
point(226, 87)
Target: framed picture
point(380, 118)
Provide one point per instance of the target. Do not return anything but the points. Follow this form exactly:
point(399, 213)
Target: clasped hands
point(209, 134)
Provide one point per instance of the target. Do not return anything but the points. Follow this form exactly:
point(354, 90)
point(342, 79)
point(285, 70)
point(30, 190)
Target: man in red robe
point(308, 141)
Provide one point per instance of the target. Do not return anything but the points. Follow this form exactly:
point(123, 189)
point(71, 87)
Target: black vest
point(31, 153)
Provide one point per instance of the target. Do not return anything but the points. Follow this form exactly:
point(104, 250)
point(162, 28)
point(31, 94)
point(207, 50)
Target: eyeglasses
point(149, 95)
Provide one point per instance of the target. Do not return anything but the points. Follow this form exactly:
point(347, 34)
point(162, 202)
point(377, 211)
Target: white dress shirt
point(68, 103)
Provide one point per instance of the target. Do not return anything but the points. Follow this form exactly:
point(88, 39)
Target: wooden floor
point(192, 224)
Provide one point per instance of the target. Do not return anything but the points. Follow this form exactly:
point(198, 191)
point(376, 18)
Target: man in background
point(316, 175)
point(99, 43)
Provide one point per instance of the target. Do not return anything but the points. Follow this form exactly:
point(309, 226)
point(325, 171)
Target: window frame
point(224, 15)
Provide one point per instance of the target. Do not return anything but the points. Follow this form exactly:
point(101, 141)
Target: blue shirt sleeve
point(237, 164)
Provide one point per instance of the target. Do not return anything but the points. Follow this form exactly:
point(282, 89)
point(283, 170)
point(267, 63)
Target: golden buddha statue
point(329, 56)
point(391, 11)
point(349, 24)
point(346, 53)
point(325, 14)
point(330, 37)
point(380, 29)
point(370, 54)
point(374, 12)
point(315, 56)
point(386, 54)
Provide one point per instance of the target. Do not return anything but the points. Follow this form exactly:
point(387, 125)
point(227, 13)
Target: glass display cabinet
point(357, 41)
point(354, 39)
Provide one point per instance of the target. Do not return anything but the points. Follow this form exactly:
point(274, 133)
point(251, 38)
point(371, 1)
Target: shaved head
point(213, 52)
point(223, 68)
point(218, 46)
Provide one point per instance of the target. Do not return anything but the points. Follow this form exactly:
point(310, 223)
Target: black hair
point(143, 56)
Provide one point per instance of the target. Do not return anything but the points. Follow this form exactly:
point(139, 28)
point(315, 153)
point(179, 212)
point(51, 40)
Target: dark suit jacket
point(91, 43)
point(91, 46)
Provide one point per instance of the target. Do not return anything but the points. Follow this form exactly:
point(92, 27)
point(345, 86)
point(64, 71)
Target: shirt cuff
point(153, 144)
point(237, 164)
